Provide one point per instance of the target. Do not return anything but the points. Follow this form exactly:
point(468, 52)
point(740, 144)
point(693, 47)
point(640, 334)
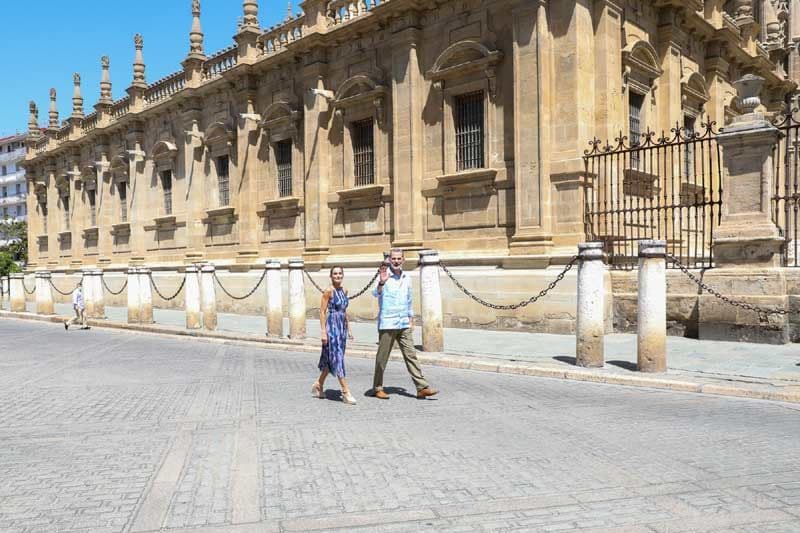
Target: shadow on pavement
point(627, 365)
point(566, 359)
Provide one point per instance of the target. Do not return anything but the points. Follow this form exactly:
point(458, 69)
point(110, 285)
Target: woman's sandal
point(316, 391)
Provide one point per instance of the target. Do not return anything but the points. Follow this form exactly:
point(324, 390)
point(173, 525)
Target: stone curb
point(446, 360)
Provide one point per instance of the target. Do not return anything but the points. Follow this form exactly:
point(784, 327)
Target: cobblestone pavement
point(111, 431)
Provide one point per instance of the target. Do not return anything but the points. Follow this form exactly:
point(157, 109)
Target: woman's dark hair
point(334, 267)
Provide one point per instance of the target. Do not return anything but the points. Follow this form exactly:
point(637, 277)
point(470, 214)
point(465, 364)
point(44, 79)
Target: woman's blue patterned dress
point(332, 356)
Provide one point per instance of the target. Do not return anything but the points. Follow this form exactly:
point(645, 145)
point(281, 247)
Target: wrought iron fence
point(668, 188)
point(786, 186)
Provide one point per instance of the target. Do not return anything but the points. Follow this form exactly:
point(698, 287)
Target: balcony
point(13, 177)
point(13, 199)
point(8, 157)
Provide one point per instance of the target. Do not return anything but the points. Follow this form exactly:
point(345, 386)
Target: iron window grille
point(283, 158)
point(223, 180)
point(92, 208)
point(635, 103)
point(122, 188)
point(688, 155)
point(363, 152)
point(65, 205)
point(166, 184)
point(469, 130)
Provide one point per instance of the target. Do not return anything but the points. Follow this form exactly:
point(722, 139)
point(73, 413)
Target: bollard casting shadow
point(627, 365)
point(566, 359)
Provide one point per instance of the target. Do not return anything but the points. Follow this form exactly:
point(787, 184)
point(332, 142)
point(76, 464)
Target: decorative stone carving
point(105, 82)
point(53, 114)
point(77, 98)
point(138, 62)
point(250, 8)
point(196, 34)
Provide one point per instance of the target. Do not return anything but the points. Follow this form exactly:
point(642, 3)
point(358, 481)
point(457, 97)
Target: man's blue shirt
point(394, 302)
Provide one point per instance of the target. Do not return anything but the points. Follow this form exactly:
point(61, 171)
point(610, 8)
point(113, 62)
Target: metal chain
point(263, 274)
point(155, 288)
point(354, 296)
point(523, 303)
point(314, 283)
point(109, 289)
point(26, 288)
point(762, 311)
point(60, 292)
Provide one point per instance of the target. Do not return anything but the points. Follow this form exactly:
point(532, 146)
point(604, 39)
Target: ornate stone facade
point(458, 125)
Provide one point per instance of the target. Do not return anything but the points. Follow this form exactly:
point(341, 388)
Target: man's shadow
point(400, 391)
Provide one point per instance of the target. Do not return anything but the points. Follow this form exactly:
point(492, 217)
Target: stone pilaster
point(591, 306)
point(317, 118)
point(651, 337)
point(99, 294)
point(747, 244)
point(671, 41)
point(430, 302)
point(531, 110)
point(297, 300)
point(274, 298)
point(408, 88)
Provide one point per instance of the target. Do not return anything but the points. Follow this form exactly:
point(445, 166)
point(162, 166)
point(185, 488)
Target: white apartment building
point(13, 188)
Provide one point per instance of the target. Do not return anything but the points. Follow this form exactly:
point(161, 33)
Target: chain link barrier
point(221, 286)
point(523, 303)
point(24, 288)
point(763, 312)
point(354, 296)
point(59, 291)
point(109, 288)
point(155, 288)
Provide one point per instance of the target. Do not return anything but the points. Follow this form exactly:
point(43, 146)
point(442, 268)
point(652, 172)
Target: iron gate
point(786, 192)
point(655, 188)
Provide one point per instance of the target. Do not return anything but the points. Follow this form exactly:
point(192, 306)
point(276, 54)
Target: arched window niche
point(220, 144)
point(465, 78)
point(283, 182)
point(359, 105)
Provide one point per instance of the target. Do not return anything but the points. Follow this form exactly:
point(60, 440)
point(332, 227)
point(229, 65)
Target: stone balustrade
point(164, 88)
point(121, 107)
point(276, 38)
point(220, 62)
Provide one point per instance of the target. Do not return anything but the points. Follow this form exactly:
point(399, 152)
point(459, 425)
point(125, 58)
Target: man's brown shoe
point(381, 395)
point(427, 391)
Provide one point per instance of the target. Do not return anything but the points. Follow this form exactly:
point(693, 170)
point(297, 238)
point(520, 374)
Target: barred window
point(223, 180)
point(363, 152)
point(122, 189)
point(283, 158)
point(635, 104)
point(688, 155)
point(65, 208)
point(92, 207)
point(469, 130)
point(166, 184)
point(43, 211)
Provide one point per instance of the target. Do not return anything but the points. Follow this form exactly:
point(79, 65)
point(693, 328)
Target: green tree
point(15, 231)
point(7, 264)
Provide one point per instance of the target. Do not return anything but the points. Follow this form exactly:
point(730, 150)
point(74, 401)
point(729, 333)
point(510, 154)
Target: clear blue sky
point(42, 43)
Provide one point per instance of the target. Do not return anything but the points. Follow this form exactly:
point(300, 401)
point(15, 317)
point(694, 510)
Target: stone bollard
point(191, 292)
point(274, 298)
point(652, 316)
point(99, 294)
point(297, 300)
point(145, 297)
point(133, 295)
point(208, 297)
point(88, 292)
point(430, 301)
point(17, 292)
point(590, 322)
point(44, 293)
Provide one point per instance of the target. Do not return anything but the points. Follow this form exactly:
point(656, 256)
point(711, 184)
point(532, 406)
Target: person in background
point(395, 320)
point(79, 307)
point(335, 331)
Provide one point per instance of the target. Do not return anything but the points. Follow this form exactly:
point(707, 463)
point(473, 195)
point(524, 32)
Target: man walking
point(395, 318)
point(79, 307)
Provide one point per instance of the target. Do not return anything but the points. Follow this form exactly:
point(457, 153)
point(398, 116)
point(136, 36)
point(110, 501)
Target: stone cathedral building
point(359, 125)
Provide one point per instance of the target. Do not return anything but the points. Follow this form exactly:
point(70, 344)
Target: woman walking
point(335, 332)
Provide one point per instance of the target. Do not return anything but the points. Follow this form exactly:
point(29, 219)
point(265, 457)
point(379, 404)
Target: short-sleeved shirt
point(77, 298)
point(394, 302)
